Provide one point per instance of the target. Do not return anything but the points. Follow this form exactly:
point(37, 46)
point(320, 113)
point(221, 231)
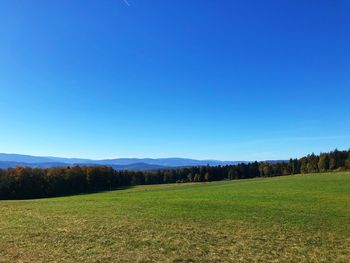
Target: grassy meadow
point(302, 218)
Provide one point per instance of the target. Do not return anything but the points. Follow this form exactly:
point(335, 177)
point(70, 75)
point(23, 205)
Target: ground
point(302, 218)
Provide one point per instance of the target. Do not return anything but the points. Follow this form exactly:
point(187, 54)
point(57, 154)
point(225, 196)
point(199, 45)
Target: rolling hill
point(300, 218)
point(13, 160)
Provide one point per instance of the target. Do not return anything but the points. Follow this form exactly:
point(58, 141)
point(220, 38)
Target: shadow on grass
point(69, 194)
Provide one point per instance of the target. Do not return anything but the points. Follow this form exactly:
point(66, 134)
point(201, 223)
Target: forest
point(28, 183)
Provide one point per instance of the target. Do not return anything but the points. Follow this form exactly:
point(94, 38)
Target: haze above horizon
point(228, 80)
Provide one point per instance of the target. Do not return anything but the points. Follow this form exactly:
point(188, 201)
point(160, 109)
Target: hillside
point(300, 218)
point(15, 160)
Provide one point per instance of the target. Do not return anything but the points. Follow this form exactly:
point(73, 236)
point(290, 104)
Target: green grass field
point(303, 218)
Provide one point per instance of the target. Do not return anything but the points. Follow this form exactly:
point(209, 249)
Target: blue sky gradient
point(230, 80)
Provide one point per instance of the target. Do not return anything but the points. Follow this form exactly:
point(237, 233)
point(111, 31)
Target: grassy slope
point(284, 219)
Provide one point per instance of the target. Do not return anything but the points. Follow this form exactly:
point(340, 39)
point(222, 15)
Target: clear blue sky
point(233, 80)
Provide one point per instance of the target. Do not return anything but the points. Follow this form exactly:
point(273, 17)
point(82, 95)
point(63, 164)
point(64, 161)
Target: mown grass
point(303, 218)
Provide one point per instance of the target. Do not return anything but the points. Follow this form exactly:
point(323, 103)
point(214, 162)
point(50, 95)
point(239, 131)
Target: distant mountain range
point(13, 160)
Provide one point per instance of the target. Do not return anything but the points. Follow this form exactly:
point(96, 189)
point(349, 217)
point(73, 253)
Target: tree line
point(25, 182)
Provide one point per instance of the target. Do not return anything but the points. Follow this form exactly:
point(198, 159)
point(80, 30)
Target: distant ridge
point(14, 160)
point(133, 166)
